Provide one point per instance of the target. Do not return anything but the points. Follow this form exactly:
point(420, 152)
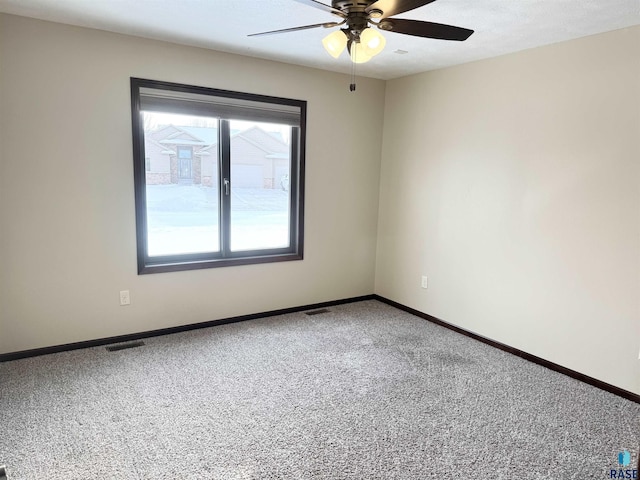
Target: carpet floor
point(364, 391)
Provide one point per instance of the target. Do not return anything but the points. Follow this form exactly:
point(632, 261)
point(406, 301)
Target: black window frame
point(225, 257)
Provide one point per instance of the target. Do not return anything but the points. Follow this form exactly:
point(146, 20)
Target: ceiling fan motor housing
point(351, 5)
point(357, 18)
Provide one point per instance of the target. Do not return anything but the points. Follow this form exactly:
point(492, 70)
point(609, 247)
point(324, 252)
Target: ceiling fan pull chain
point(352, 86)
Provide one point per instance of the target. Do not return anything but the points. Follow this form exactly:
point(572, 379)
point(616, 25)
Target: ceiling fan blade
point(295, 29)
point(322, 6)
point(419, 28)
point(394, 7)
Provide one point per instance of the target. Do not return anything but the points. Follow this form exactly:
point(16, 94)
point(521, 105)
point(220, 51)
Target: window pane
point(219, 177)
point(260, 169)
point(181, 183)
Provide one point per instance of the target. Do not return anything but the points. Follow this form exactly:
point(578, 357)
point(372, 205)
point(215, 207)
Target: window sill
point(178, 266)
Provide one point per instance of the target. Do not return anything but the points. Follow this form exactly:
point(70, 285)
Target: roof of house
point(208, 135)
point(272, 143)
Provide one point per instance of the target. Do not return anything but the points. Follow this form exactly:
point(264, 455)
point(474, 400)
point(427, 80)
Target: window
point(227, 183)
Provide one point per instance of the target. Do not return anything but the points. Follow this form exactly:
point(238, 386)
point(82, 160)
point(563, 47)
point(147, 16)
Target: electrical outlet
point(425, 281)
point(125, 298)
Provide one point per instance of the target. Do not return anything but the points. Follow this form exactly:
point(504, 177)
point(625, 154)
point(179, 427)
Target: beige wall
point(66, 191)
point(514, 184)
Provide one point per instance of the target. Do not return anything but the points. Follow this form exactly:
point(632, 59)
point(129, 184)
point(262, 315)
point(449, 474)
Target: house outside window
point(219, 177)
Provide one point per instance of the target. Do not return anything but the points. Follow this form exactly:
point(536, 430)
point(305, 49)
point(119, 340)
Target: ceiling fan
point(364, 42)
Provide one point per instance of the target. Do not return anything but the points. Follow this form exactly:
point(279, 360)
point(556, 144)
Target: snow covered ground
point(184, 219)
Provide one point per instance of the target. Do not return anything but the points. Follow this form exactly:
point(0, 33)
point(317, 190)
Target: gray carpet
point(363, 392)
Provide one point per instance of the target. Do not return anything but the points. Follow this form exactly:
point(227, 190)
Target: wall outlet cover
point(125, 297)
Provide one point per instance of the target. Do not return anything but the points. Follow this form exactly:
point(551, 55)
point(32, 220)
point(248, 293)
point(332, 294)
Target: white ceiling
point(501, 26)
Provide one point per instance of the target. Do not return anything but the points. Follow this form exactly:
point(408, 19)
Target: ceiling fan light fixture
point(335, 43)
point(357, 53)
point(372, 41)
